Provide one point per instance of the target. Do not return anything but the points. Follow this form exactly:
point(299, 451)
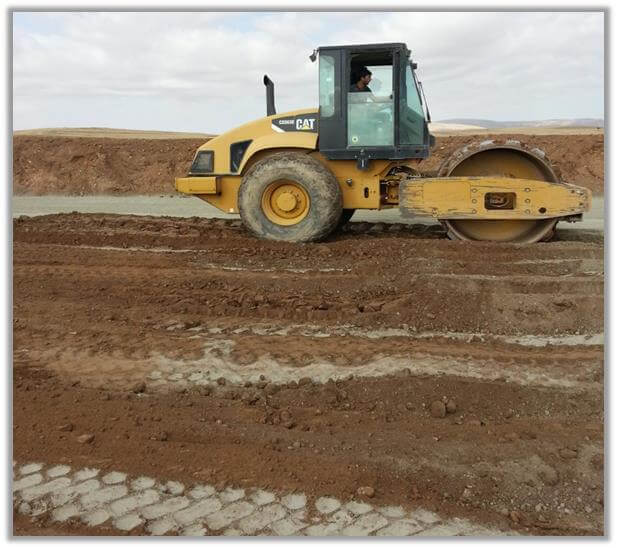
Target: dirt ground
point(78, 162)
point(462, 378)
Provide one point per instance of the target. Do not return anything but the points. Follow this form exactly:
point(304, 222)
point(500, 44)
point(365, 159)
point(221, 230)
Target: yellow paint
point(197, 185)
point(277, 141)
point(463, 198)
point(227, 199)
point(263, 136)
point(362, 192)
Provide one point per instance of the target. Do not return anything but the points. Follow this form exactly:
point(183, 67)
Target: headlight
point(203, 162)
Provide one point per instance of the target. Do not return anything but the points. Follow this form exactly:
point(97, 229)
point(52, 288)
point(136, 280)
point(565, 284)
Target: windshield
point(412, 114)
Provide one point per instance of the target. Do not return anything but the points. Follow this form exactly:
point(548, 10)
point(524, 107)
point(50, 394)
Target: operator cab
point(388, 122)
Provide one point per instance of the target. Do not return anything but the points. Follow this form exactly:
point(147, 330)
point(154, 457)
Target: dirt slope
point(95, 165)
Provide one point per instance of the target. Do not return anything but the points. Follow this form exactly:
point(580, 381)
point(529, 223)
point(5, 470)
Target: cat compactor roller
point(298, 176)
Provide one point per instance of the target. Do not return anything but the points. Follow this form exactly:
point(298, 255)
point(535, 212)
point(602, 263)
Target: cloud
point(484, 65)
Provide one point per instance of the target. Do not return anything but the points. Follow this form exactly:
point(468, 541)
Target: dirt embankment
point(93, 165)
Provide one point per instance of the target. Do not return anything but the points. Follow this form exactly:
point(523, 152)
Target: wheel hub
point(285, 202)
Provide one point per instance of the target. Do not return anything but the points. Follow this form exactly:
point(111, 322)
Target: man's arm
point(384, 99)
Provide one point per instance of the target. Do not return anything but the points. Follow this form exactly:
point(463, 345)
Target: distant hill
point(492, 124)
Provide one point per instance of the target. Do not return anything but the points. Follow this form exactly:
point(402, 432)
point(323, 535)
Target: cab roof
point(368, 47)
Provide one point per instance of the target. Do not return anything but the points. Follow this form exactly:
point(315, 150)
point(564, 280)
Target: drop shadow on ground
point(435, 231)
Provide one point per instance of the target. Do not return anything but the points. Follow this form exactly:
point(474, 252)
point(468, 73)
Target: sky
point(202, 71)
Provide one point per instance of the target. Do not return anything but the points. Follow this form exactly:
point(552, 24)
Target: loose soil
point(74, 163)
point(102, 302)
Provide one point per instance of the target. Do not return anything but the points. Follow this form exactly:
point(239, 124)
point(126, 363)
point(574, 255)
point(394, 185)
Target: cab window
point(411, 124)
point(370, 111)
point(326, 85)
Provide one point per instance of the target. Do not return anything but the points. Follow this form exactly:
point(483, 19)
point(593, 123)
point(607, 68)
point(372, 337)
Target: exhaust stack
point(270, 109)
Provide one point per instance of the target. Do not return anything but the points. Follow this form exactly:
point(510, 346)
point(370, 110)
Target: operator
point(363, 77)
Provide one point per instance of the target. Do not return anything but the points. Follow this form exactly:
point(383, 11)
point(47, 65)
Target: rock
point(66, 427)
point(438, 409)
point(549, 475)
point(161, 436)
point(261, 384)
point(366, 491)
point(139, 388)
point(451, 406)
point(85, 438)
point(221, 381)
point(567, 453)
point(249, 398)
point(515, 516)
point(305, 380)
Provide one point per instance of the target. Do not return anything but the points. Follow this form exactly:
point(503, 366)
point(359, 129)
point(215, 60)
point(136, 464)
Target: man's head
point(364, 76)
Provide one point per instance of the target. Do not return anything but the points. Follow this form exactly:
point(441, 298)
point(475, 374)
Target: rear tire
point(290, 196)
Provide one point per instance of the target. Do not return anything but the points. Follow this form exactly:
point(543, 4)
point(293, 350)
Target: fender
point(295, 129)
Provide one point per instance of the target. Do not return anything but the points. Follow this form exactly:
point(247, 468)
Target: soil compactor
point(300, 175)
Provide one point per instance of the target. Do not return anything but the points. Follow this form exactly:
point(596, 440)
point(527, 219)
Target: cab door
point(370, 114)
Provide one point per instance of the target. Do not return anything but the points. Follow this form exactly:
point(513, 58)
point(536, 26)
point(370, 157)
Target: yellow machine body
point(360, 189)
point(271, 170)
point(492, 198)
point(460, 197)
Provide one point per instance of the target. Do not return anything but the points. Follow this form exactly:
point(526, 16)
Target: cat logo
point(305, 124)
point(295, 123)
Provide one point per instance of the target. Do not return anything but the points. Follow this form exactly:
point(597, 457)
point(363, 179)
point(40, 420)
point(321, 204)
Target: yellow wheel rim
point(285, 202)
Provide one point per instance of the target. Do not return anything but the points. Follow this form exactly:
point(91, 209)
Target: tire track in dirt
point(317, 367)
